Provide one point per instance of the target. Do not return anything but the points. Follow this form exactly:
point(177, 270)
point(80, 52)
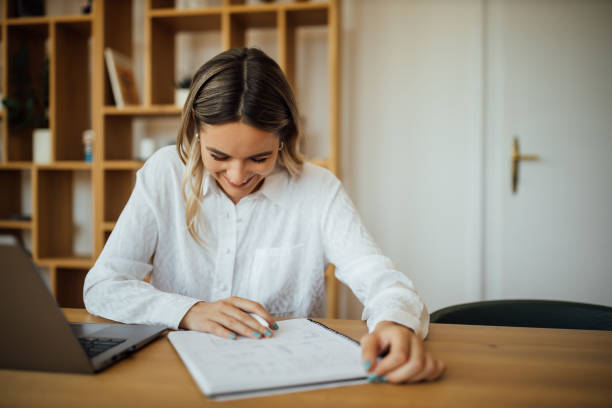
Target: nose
point(237, 172)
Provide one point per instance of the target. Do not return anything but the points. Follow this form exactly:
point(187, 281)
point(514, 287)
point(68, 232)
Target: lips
point(239, 185)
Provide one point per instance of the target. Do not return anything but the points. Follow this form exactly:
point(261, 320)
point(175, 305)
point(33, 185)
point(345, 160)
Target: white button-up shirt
point(272, 247)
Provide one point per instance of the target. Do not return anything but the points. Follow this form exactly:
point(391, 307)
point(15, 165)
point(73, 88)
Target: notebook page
point(300, 352)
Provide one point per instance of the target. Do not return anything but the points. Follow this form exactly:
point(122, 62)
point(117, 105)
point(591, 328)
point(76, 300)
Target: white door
point(548, 67)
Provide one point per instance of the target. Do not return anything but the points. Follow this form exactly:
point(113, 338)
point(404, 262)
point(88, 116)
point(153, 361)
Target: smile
point(239, 185)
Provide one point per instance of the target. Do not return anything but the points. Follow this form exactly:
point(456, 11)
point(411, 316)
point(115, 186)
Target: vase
point(41, 146)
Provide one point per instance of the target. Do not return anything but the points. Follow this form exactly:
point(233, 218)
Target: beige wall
point(411, 126)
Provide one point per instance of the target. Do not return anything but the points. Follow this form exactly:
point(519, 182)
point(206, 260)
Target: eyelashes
point(223, 158)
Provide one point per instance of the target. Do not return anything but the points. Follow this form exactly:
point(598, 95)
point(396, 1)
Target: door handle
point(517, 158)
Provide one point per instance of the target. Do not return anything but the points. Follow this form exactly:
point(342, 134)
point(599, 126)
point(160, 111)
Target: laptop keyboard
point(97, 345)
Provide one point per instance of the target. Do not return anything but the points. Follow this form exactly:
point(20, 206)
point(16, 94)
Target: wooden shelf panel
point(122, 164)
point(193, 12)
point(86, 18)
point(65, 165)
point(68, 262)
point(298, 6)
point(28, 21)
point(153, 110)
point(41, 20)
point(15, 225)
point(108, 226)
point(17, 165)
point(57, 165)
point(240, 8)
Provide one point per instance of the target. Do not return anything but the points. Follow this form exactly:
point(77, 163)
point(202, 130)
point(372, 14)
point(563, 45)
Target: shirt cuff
point(175, 308)
point(419, 326)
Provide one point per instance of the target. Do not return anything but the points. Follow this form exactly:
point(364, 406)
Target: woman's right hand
point(229, 317)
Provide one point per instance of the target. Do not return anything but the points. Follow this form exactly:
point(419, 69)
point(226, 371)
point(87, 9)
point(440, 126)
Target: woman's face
point(239, 156)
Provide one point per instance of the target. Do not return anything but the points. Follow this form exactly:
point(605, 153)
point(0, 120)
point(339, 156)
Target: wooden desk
point(487, 366)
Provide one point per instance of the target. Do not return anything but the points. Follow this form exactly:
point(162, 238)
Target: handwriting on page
point(297, 348)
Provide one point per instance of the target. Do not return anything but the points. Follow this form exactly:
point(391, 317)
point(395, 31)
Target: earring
point(197, 136)
point(280, 146)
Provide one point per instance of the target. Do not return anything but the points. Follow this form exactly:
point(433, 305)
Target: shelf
point(85, 18)
point(69, 262)
point(108, 226)
point(27, 21)
point(65, 165)
point(122, 164)
point(15, 225)
point(172, 12)
point(240, 8)
point(17, 165)
point(39, 20)
point(153, 110)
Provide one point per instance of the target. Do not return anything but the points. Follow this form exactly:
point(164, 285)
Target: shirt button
point(227, 251)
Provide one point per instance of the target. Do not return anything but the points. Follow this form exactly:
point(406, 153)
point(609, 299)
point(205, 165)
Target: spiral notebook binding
point(332, 330)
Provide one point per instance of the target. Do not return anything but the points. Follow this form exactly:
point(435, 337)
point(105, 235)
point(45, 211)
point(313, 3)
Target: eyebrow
point(219, 152)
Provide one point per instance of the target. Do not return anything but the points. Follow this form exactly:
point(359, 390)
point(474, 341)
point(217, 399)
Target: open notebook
point(302, 355)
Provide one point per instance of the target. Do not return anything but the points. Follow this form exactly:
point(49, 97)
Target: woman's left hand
point(407, 360)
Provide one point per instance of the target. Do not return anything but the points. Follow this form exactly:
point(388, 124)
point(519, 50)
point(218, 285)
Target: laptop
point(35, 334)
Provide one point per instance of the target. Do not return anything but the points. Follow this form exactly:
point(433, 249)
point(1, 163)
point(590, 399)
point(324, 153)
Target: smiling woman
point(238, 156)
point(237, 224)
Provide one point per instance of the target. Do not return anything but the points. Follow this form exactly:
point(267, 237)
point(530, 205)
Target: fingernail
point(275, 326)
point(268, 333)
point(257, 334)
point(232, 336)
point(383, 379)
point(367, 364)
point(372, 378)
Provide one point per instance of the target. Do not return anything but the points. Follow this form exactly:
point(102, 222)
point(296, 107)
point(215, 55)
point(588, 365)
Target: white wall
point(411, 137)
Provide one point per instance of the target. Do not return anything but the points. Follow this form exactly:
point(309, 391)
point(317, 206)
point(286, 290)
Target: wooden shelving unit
point(80, 98)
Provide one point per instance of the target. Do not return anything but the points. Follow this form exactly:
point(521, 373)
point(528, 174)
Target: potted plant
point(28, 107)
point(182, 91)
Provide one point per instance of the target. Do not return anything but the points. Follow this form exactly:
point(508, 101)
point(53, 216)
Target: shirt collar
point(275, 186)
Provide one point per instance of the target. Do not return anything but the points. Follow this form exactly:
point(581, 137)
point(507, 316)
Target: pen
point(260, 320)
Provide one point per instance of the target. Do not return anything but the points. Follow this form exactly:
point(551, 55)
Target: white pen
point(263, 322)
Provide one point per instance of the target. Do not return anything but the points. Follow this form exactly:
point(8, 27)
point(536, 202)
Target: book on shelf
point(302, 355)
point(122, 79)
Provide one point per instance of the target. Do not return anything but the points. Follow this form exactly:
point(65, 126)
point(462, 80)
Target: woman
point(236, 223)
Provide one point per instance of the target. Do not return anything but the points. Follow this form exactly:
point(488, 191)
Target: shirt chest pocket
point(274, 278)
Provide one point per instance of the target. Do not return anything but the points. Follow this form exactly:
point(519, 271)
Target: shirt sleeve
point(115, 288)
point(385, 292)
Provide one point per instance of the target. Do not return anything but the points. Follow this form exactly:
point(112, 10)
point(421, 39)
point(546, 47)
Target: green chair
point(528, 313)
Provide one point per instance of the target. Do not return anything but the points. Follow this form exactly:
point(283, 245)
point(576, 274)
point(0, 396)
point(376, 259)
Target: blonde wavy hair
point(238, 85)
